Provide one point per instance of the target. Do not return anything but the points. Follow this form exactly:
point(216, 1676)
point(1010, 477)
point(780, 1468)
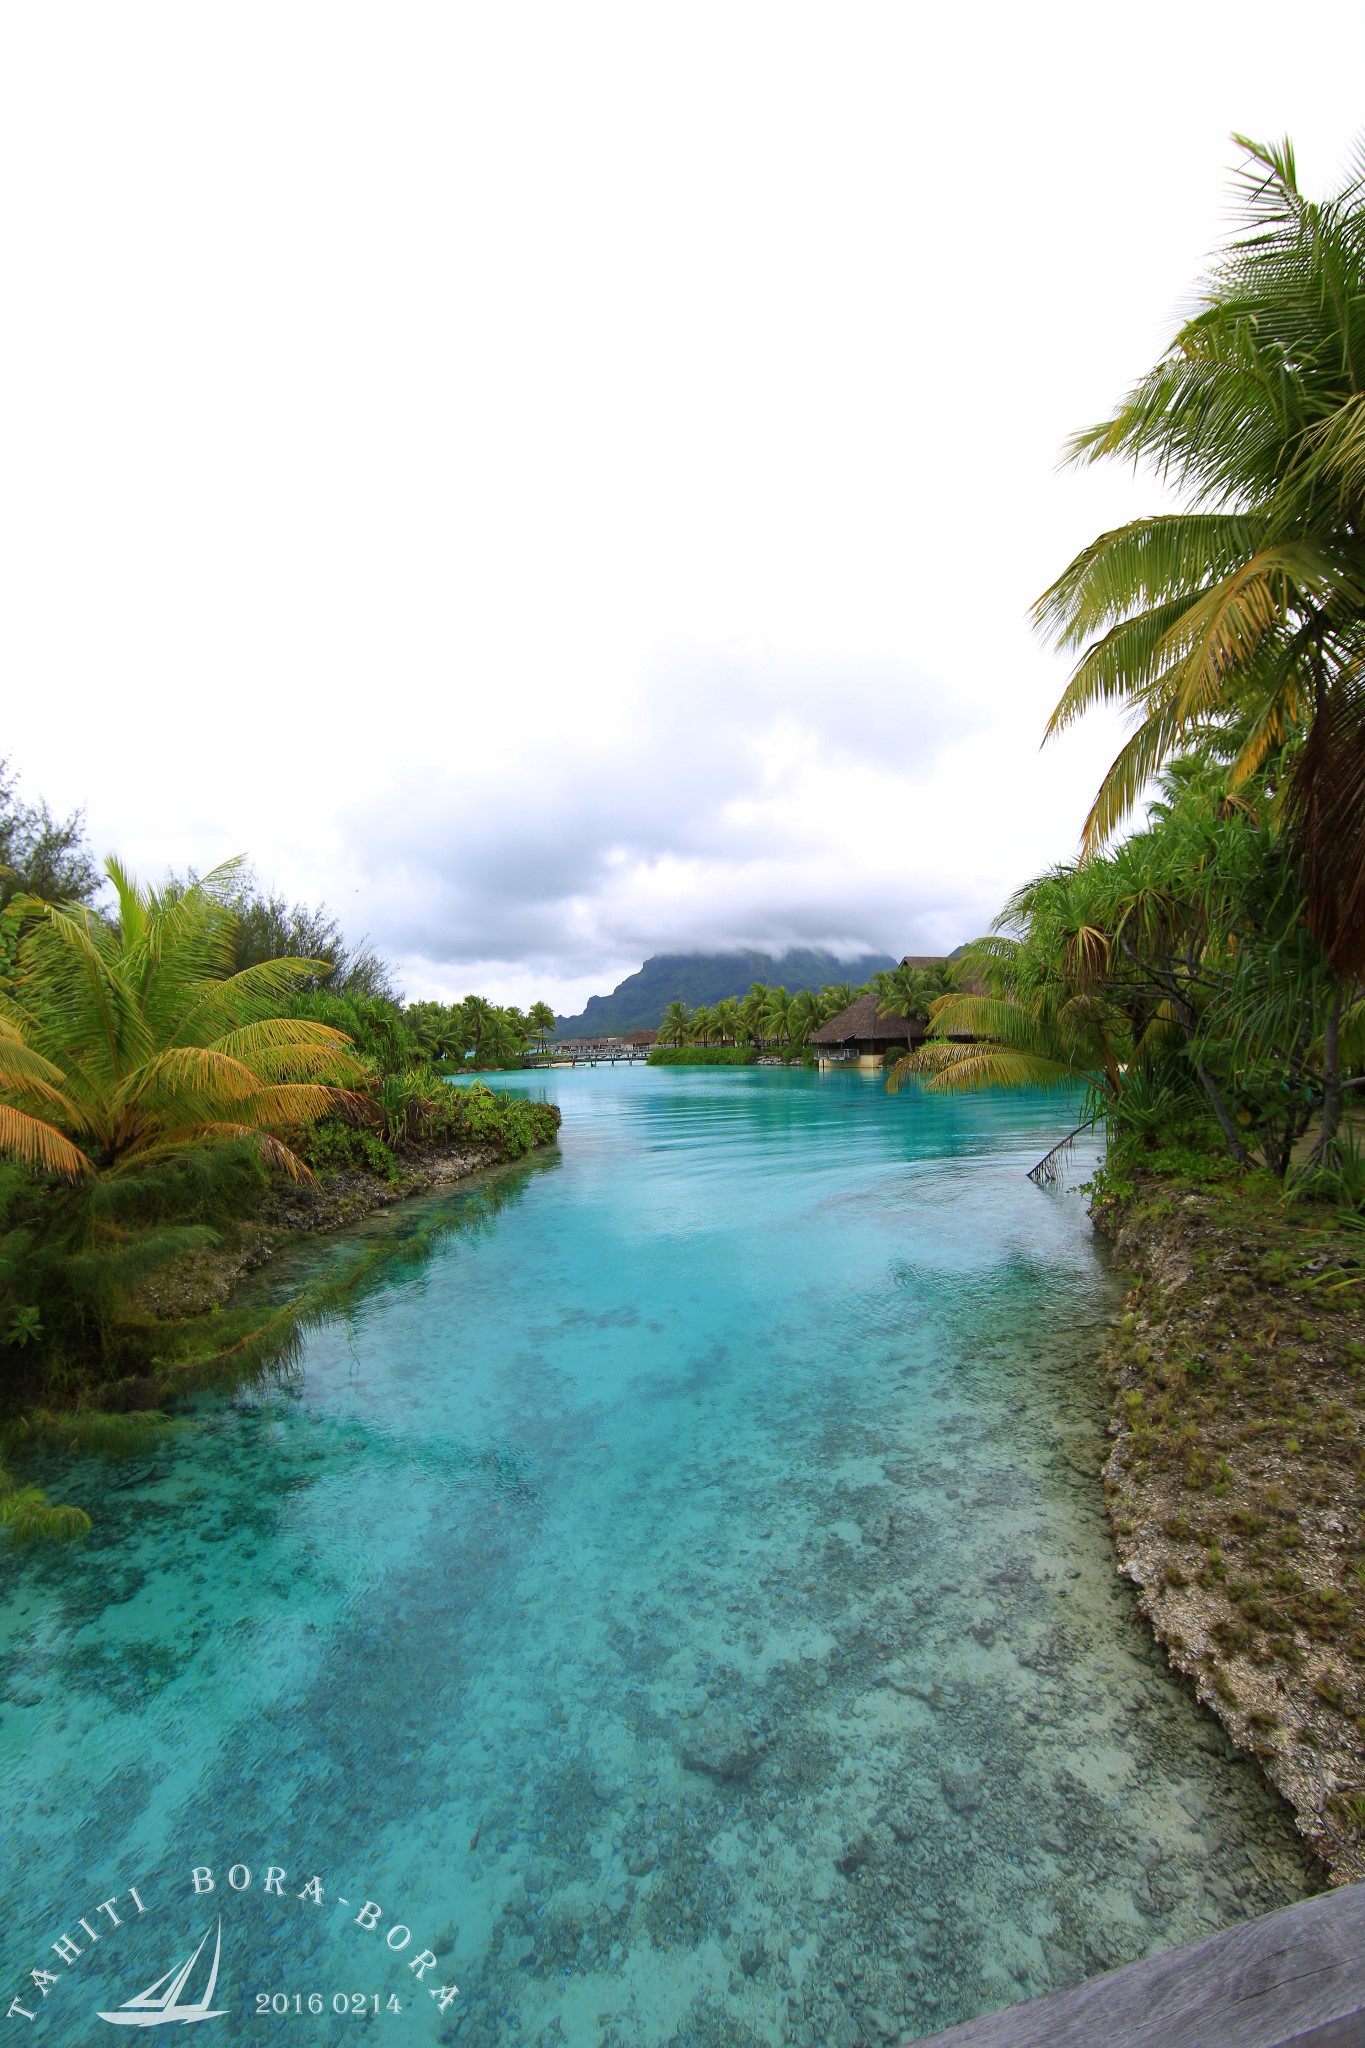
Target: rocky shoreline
point(204, 1280)
point(1236, 1482)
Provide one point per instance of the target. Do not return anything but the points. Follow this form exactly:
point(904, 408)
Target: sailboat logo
point(160, 2003)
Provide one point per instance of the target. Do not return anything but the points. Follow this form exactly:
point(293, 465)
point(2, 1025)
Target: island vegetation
point(701, 980)
point(1193, 980)
point(173, 1061)
point(771, 1023)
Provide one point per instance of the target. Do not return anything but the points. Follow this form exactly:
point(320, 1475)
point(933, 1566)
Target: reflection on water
point(679, 1592)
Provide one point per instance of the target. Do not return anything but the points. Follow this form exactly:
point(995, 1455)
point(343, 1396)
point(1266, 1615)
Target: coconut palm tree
point(676, 1025)
point(439, 1028)
point(804, 1015)
point(124, 1042)
point(505, 1037)
point(1246, 608)
point(1171, 977)
point(479, 1019)
point(834, 997)
point(701, 1027)
point(541, 1019)
point(726, 1021)
point(777, 1015)
point(912, 990)
point(753, 1014)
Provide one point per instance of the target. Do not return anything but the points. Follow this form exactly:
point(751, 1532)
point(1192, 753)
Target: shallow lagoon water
point(683, 1600)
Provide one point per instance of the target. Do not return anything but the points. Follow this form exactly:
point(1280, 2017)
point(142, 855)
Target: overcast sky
point(567, 482)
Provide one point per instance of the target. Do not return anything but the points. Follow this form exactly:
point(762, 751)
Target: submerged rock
point(961, 1788)
point(859, 1850)
point(724, 1750)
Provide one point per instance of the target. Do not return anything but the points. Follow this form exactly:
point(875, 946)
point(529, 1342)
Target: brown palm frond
point(39, 1146)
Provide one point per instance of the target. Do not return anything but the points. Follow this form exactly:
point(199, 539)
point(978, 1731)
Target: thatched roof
point(866, 1019)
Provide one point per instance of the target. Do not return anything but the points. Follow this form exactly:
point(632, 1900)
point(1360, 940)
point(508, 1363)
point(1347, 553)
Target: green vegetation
point(1199, 980)
point(770, 1021)
point(702, 1056)
point(41, 855)
point(700, 980)
point(160, 1080)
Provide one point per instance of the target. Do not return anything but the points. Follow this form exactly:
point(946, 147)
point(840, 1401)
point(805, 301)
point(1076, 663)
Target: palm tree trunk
point(1225, 1122)
point(1332, 1091)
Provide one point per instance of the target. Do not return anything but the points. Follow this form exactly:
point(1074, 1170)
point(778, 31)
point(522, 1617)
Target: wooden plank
point(1292, 1979)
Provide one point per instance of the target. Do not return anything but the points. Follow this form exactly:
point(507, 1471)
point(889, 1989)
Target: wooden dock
point(1292, 1979)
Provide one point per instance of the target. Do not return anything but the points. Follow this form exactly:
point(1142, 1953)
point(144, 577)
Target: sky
point(561, 484)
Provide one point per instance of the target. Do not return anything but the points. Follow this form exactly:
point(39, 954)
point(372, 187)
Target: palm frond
point(40, 1146)
point(1128, 775)
point(247, 997)
point(1137, 567)
point(958, 1069)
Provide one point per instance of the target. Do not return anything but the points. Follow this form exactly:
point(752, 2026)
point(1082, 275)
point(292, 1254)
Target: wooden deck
point(1293, 1979)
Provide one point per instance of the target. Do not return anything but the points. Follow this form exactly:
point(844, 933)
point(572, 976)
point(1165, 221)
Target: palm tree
point(912, 990)
point(753, 1013)
point(505, 1037)
point(777, 1015)
point(676, 1025)
point(479, 1018)
point(1169, 977)
point(701, 1026)
point(439, 1028)
point(1246, 609)
point(541, 1019)
point(804, 1015)
point(834, 997)
point(725, 1020)
point(122, 1043)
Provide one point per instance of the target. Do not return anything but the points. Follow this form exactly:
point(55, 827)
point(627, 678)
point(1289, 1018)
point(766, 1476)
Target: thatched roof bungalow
point(866, 1030)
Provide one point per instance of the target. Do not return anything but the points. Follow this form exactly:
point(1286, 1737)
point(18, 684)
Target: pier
point(1292, 1979)
point(591, 1052)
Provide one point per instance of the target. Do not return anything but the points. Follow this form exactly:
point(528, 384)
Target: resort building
point(866, 1032)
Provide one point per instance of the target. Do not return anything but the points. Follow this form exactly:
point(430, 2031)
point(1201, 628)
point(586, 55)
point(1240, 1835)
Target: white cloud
point(561, 483)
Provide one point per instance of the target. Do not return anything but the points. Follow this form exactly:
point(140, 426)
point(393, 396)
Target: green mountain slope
point(639, 1002)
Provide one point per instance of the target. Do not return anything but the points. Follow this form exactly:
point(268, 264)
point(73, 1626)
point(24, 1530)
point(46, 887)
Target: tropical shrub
point(487, 1116)
point(701, 1056)
point(332, 1146)
point(380, 1034)
point(41, 855)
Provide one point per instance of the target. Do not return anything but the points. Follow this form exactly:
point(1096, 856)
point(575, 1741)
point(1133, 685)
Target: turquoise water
point(682, 1600)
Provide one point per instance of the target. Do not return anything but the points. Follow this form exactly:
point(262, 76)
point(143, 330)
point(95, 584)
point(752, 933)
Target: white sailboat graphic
point(160, 2002)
